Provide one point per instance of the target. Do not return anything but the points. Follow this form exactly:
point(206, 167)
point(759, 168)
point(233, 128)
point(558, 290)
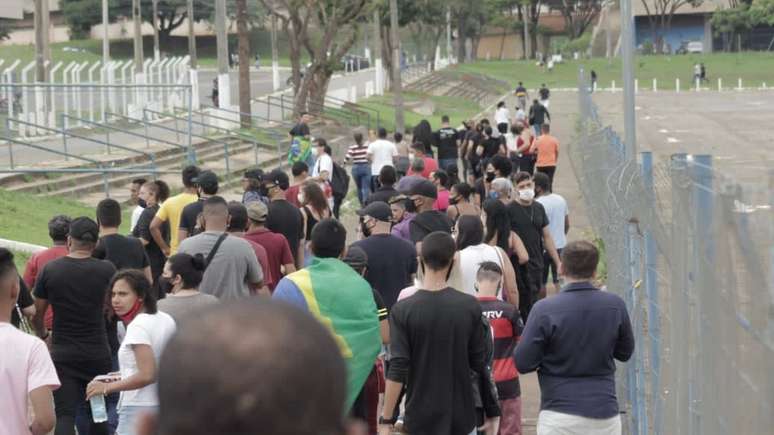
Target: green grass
point(458, 109)
point(24, 217)
point(753, 67)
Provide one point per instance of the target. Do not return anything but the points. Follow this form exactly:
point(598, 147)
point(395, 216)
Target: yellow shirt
point(170, 210)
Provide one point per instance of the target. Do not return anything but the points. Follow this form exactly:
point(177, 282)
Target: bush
point(580, 45)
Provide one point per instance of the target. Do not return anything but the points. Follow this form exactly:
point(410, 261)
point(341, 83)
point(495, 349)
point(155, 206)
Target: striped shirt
point(506, 326)
point(358, 154)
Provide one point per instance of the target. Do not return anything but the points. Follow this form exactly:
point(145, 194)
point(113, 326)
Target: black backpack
point(339, 181)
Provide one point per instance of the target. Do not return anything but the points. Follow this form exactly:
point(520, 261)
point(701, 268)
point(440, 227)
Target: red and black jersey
point(506, 326)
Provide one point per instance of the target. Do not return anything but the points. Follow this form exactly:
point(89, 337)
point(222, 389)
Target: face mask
point(454, 200)
point(411, 207)
point(412, 156)
point(165, 285)
point(300, 197)
point(490, 176)
point(365, 229)
point(527, 194)
point(263, 191)
point(141, 202)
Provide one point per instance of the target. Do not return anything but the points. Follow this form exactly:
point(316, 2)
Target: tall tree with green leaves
point(336, 24)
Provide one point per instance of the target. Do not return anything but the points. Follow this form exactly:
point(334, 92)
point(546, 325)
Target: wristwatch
point(388, 421)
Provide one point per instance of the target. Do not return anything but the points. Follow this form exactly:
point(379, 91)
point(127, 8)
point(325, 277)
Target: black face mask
point(165, 285)
point(364, 229)
point(141, 202)
point(411, 207)
point(263, 191)
point(454, 200)
point(490, 176)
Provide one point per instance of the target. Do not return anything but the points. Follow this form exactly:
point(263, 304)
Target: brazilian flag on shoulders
point(343, 301)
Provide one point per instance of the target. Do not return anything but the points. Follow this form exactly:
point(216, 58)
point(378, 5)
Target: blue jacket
point(571, 340)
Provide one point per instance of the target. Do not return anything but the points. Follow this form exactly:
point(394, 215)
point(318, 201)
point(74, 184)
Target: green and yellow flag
point(343, 301)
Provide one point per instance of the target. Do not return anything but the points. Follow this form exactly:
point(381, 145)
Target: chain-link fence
point(691, 251)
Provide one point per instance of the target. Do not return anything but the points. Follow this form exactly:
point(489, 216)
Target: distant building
point(689, 24)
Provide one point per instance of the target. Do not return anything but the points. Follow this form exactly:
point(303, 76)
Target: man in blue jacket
point(571, 340)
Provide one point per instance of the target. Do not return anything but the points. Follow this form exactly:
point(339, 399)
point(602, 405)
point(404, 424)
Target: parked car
point(691, 47)
point(357, 62)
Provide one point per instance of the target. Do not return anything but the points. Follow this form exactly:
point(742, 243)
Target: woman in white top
point(473, 251)
point(322, 171)
point(502, 117)
point(147, 333)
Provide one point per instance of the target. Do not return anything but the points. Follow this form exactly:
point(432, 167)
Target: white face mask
point(300, 198)
point(411, 156)
point(527, 194)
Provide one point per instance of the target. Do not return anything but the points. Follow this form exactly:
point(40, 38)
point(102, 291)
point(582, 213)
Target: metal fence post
point(654, 306)
point(191, 152)
point(64, 136)
point(145, 126)
point(634, 254)
point(107, 139)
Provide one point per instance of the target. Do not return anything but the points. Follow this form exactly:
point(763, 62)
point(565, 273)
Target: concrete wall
point(684, 28)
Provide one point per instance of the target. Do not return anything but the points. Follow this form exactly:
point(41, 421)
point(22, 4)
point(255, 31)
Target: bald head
point(244, 367)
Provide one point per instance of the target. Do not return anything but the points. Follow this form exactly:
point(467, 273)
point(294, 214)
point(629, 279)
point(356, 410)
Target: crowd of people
point(256, 316)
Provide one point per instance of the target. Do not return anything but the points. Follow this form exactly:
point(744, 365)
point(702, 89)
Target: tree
point(660, 14)
point(732, 22)
point(762, 13)
point(578, 14)
point(336, 20)
point(5, 30)
point(244, 63)
point(81, 15)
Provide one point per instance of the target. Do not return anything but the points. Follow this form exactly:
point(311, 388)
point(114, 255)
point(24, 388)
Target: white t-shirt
point(502, 116)
point(511, 142)
point(520, 115)
point(154, 330)
point(470, 261)
point(25, 366)
point(556, 210)
point(382, 151)
point(136, 212)
point(324, 163)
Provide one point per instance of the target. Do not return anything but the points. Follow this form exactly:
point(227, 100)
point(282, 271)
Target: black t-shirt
point(142, 230)
point(25, 300)
point(544, 93)
point(474, 138)
point(286, 219)
point(300, 129)
point(539, 113)
point(446, 140)
point(528, 222)
point(391, 262)
point(437, 338)
point(381, 309)
point(124, 252)
point(383, 193)
point(428, 222)
point(190, 215)
point(492, 147)
point(77, 289)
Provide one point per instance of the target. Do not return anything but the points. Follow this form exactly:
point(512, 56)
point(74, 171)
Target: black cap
point(84, 229)
point(378, 210)
point(255, 174)
point(424, 188)
point(356, 257)
point(279, 178)
point(206, 179)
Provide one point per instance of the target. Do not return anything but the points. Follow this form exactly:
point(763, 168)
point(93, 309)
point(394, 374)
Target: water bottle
point(98, 409)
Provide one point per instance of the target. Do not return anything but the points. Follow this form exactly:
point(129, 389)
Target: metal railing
point(690, 250)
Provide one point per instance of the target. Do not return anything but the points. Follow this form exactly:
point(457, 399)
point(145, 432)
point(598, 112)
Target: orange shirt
point(547, 150)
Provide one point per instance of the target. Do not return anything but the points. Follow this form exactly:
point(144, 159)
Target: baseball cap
point(279, 178)
point(356, 257)
point(257, 211)
point(206, 179)
point(84, 229)
point(424, 188)
point(378, 210)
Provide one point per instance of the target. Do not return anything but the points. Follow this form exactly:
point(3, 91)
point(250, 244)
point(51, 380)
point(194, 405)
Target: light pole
point(627, 54)
point(191, 34)
point(224, 88)
point(396, 62)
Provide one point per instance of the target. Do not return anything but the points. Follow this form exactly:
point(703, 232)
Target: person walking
point(401, 217)
point(423, 134)
point(251, 186)
point(427, 220)
point(387, 274)
point(136, 200)
point(429, 164)
point(300, 173)
point(322, 172)
point(233, 271)
point(544, 94)
point(437, 340)
point(206, 187)
point(29, 375)
point(571, 340)
point(447, 140)
point(285, 218)
point(558, 224)
point(154, 193)
point(502, 118)
point(505, 320)
point(237, 226)
point(474, 251)
point(386, 189)
point(538, 114)
point(76, 286)
point(593, 81)
point(278, 252)
point(530, 222)
point(147, 333)
point(124, 252)
point(180, 281)
point(547, 147)
point(521, 96)
point(301, 141)
point(357, 154)
point(460, 202)
point(314, 208)
point(331, 291)
point(402, 160)
point(381, 153)
point(171, 211)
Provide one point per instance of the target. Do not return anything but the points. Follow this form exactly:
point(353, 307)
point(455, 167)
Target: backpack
point(339, 181)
